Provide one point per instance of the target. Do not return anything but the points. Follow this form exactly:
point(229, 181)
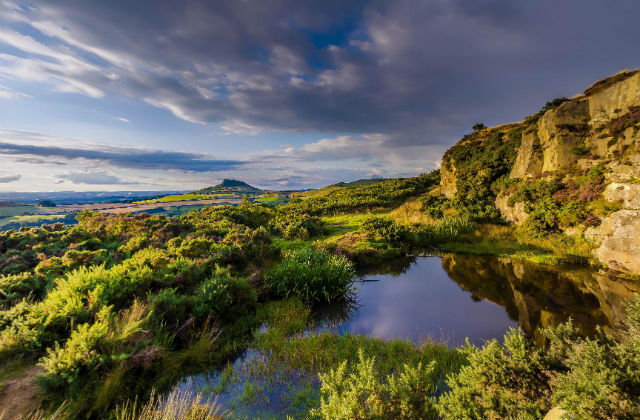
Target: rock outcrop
point(619, 239)
point(600, 128)
point(514, 214)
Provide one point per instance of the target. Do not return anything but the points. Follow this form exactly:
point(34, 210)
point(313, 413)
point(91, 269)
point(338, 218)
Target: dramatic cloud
point(355, 88)
point(5, 179)
point(92, 178)
point(34, 145)
point(417, 71)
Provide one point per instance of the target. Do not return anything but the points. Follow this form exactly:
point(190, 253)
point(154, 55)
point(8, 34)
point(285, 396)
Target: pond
point(443, 298)
point(420, 303)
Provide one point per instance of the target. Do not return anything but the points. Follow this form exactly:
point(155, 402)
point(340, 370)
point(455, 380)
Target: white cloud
point(7, 93)
point(92, 178)
point(123, 119)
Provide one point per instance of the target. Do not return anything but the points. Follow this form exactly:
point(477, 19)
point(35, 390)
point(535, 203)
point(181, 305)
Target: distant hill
point(230, 186)
point(8, 204)
point(358, 182)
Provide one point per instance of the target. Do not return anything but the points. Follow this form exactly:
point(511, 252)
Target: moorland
point(108, 315)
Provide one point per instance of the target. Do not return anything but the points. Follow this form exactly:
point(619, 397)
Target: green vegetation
point(559, 202)
point(381, 195)
point(17, 210)
point(366, 394)
point(590, 378)
point(313, 276)
point(270, 199)
point(120, 305)
point(357, 183)
point(483, 161)
point(46, 203)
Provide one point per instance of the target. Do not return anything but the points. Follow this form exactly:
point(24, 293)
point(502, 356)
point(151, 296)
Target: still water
point(420, 303)
point(446, 299)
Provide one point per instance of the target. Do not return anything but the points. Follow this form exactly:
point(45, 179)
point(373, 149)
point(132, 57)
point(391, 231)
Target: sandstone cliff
point(565, 142)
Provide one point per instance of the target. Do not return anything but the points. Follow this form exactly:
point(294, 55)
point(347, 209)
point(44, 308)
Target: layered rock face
point(601, 127)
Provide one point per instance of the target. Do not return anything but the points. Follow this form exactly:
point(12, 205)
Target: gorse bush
point(600, 377)
point(500, 382)
point(386, 230)
point(363, 392)
point(117, 303)
point(294, 225)
point(590, 378)
point(435, 205)
point(311, 275)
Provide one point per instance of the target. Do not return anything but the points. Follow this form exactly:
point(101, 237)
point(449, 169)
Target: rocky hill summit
point(230, 186)
point(572, 167)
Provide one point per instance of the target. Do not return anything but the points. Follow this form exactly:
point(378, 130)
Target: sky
point(284, 94)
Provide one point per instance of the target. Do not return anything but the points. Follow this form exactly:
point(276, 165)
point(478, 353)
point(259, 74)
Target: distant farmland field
point(185, 197)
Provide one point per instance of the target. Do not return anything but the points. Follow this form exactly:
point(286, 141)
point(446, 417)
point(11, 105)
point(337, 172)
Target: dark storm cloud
point(418, 71)
point(124, 157)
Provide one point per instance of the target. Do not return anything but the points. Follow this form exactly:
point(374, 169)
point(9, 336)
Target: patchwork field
point(119, 208)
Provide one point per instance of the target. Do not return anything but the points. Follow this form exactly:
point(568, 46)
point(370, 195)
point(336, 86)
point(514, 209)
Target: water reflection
point(450, 298)
point(418, 303)
point(540, 296)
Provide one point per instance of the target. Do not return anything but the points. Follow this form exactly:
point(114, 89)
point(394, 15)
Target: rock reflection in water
point(453, 297)
point(417, 301)
point(540, 296)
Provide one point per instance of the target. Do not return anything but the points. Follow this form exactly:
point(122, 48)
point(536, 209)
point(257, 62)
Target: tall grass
point(445, 230)
point(311, 275)
point(175, 406)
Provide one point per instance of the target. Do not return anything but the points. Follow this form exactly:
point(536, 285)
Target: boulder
point(619, 238)
point(556, 413)
point(626, 194)
point(515, 214)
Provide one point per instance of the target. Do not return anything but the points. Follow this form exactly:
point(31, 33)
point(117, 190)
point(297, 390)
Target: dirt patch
point(19, 394)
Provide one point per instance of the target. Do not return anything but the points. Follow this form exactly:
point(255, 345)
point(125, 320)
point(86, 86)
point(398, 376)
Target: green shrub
point(386, 230)
point(364, 393)
point(500, 382)
point(590, 378)
point(434, 205)
point(170, 307)
point(93, 347)
point(311, 275)
point(16, 287)
point(600, 377)
point(293, 225)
